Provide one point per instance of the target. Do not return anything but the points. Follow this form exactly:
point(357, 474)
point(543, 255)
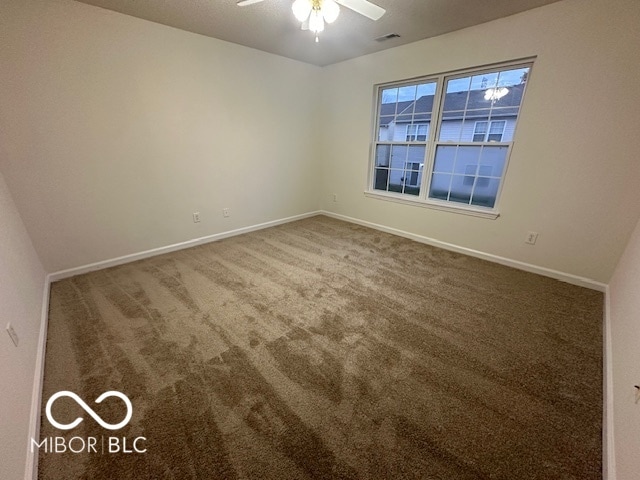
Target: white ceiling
point(270, 26)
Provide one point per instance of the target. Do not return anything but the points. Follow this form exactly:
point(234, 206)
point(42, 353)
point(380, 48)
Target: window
point(444, 141)
point(417, 132)
point(480, 132)
point(493, 134)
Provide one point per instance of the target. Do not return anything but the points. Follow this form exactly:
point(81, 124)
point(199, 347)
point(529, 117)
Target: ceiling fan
point(314, 13)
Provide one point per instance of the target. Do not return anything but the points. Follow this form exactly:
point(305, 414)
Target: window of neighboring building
point(489, 131)
point(417, 132)
point(480, 131)
point(456, 128)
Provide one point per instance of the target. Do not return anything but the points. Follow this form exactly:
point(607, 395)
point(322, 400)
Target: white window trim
point(432, 204)
point(423, 199)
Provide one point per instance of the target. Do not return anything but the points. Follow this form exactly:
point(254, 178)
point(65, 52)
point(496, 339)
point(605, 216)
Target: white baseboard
point(609, 454)
point(71, 272)
point(31, 467)
point(527, 267)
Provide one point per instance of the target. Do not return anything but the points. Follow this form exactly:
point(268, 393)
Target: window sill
point(446, 207)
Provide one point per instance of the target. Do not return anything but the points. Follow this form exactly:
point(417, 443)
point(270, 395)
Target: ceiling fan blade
point(244, 3)
point(363, 7)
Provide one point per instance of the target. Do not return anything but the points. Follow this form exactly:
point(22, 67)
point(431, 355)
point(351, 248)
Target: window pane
point(416, 154)
point(479, 131)
point(485, 192)
point(412, 178)
point(492, 161)
point(480, 127)
point(495, 131)
point(514, 81)
point(440, 186)
point(484, 81)
point(450, 130)
point(381, 178)
point(456, 95)
point(383, 155)
point(396, 180)
point(385, 129)
point(460, 189)
point(497, 126)
point(407, 93)
point(467, 159)
point(423, 131)
point(389, 95)
point(411, 133)
point(399, 156)
point(509, 127)
point(445, 157)
point(516, 76)
point(424, 102)
point(388, 110)
point(424, 95)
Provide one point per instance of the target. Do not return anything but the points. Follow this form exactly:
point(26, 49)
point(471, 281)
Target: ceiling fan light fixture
point(316, 21)
point(495, 94)
point(301, 9)
point(330, 10)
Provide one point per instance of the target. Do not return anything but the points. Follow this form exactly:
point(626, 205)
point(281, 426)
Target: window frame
point(432, 142)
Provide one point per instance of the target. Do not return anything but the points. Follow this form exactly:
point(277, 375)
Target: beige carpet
point(321, 349)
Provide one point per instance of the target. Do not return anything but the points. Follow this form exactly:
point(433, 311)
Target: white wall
point(22, 281)
point(574, 169)
point(117, 130)
point(624, 302)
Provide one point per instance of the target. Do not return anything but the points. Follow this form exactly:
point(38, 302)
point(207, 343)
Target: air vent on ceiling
point(386, 37)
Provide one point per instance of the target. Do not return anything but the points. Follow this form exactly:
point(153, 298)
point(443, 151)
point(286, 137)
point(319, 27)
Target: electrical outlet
point(225, 212)
point(335, 197)
point(12, 333)
point(196, 217)
point(532, 238)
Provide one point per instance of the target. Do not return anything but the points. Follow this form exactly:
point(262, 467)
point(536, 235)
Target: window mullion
point(430, 151)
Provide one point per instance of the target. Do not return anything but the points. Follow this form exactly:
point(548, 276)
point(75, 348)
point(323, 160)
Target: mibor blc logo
point(100, 445)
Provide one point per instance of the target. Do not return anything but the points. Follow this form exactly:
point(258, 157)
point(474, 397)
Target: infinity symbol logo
point(87, 408)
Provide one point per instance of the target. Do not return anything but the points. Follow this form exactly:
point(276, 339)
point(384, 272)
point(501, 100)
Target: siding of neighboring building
point(450, 131)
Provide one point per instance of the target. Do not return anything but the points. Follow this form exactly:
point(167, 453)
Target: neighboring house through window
point(444, 141)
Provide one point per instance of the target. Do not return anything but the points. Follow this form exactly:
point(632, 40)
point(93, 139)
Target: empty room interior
point(319, 239)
